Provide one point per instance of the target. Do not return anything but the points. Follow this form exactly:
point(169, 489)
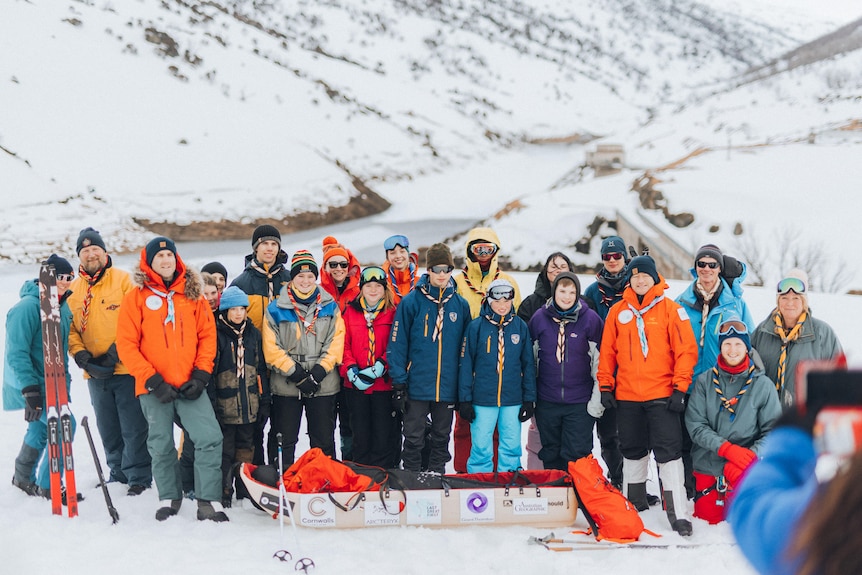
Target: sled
point(540, 498)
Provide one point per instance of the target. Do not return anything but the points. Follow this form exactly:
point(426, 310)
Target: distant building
point(607, 159)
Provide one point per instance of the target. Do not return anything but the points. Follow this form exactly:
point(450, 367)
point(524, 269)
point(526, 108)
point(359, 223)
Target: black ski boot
point(683, 527)
point(163, 513)
point(206, 512)
point(637, 495)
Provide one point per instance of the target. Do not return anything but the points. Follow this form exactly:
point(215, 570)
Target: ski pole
point(281, 493)
point(303, 564)
point(115, 516)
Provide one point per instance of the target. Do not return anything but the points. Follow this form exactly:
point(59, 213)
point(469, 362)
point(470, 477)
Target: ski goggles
point(501, 293)
point(733, 328)
point(441, 269)
point(613, 256)
point(335, 265)
point(392, 241)
point(483, 249)
point(65, 277)
point(373, 274)
point(791, 284)
point(711, 265)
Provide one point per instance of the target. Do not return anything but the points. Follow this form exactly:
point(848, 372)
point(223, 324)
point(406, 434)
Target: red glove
point(732, 473)
point(738, 455)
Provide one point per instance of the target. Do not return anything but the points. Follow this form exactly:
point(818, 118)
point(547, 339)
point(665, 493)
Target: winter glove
point(164, 392)
point(527, 409)
point(730, 268)
point(378, 370)
point(736, 454)
point(364, 379)
point(311, 384)
point(32, 403)
point(318, 373)
point(732, 473)
point(676, 401)
point(193, 388)
point(609, 401)
point(82, 358)
point(466, 411)
point(399, 399)
point(352, 372)
point(298, 374)
point(97, 370)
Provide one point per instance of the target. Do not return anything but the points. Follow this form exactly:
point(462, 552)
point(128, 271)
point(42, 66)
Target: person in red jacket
point(166, 337)
point(647, 357)
point(367, 388)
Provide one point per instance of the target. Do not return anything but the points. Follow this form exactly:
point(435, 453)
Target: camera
point(832, 394)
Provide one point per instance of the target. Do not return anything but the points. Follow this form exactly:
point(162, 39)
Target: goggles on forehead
point(501, 293)
point(392, 241)
point(788, 284)
point(733, 328)
point(483, 249)
point(373, 274)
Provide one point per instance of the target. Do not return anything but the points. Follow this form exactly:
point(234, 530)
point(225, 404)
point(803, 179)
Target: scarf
point(562, 319)
point(240, 346)
point(438, 325)
point(88, 298)
point(309, 300)
point(370, 315)
point(169, 297)
point(610, 287)
point(707, 296)
point(393, 280)
point(786, 339)
point(473, 288)
point(274, 269)
point(640, 323)
point(730, 404)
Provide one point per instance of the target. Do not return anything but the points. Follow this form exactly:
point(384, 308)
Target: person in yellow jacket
point(97, 293)
point(647, 356)
point(480, 269)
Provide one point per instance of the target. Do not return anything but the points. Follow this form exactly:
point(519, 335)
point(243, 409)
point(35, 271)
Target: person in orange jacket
point(401, 266)
point(166, 337)
point(646, 361)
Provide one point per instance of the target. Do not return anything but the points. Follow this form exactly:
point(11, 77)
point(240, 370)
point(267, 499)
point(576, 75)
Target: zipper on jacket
point(426, 326)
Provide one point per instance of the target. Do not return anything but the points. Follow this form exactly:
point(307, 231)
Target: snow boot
point(637, 495)
point(163, 513)
point(27, 487)
point(206, 512)
point(26, 461)
point(683, 527)
point(672, 478)
point(634, 480)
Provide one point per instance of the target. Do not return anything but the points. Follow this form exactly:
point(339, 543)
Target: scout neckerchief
point(240, 346)
point(370, 315)
point(562, 318)
point(169, 297)
point(311, 300)
point(609, 289)
point(88, 298)
point(707, 296)
point(501, 326)
point(472, 287)
point(640, 322)
point(273, 269)
point(786, 338)
point(438, 325)
point(730, 404)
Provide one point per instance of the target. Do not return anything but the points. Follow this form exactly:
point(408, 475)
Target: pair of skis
point(553, 543)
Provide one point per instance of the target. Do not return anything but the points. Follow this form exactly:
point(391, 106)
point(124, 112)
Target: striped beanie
point(302, 261)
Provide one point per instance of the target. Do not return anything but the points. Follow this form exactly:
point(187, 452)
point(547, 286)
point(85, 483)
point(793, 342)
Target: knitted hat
point(89, 237)
point(215, 268)
point(439, 255)
point(158, 244)
point(61, 265)
point(302, 261)
point(710, 251)
point(232, 297)
point(263, 233)
point(613, 245)
point(569, 275)
point(642, 265)
point(331, 248)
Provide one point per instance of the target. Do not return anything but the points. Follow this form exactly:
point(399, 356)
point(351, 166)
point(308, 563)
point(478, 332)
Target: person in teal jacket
point(497, 381)
point(24, 376)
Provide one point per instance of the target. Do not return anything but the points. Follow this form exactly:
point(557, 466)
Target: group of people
point(395, 352)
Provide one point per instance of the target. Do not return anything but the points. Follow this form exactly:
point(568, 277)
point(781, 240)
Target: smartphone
point(822, 383)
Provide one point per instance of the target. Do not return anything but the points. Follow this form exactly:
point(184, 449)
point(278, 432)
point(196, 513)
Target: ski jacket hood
point(471, 283)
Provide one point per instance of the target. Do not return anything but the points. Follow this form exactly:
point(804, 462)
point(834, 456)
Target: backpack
point(611, 516)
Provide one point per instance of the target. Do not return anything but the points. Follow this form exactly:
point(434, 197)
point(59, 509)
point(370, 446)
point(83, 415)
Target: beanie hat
point(232, 297)
point(158, 244)
point(613, 245)
point(439, 255)
point(264, 233)
point(331, 248)
point(710, 251)
point(302, 261)
point(722, 337)
point(215, 268)
point(61, 265)
point(89, 237)
point(569, 275)
point(642, 265)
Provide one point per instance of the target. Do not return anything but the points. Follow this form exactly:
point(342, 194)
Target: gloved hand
point(377, 370)
point(364, 379)
point(676, 401)
point(527, 409)
point(609, 401)
point(298, 374)
point(352, 372)
point(311, 384)
point(399, 399)
point(102, 367)
point(32, 403)
point(82, 358)
point(111, 356)
point(466, 411)
point(736, 454)
point(318, 373)
point(194, 387)
point(163, 391)
point(732, 473)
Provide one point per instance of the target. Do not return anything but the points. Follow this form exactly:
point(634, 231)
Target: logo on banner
point(424, 508)
point(317, 511)
point(477, 506)
point(376, 514)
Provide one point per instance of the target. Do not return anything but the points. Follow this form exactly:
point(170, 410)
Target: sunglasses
point(336, 265)
point(786, 285)
point(501, 293)
point(441, 269)
point(711, 265)
point(373, 274)
point(65, 277)
point(614, 256)
point(733, 327)
point(484, 249)
point(392, 241)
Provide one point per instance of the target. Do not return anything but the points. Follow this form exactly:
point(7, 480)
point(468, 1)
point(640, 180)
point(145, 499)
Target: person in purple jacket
point(567, 334)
